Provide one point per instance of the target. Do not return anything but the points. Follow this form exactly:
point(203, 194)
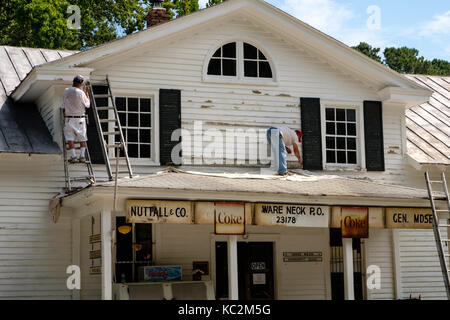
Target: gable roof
point(22, 129)
point(428, 124)
point(302, 34)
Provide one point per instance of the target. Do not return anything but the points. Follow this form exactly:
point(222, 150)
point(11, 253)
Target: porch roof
point(302, 184)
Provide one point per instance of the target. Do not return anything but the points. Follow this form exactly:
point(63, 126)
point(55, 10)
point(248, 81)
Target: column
point(233, 288)
point(106, 255)
point(347, 246)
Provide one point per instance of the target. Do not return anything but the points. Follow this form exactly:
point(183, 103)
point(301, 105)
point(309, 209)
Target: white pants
point(75, 129)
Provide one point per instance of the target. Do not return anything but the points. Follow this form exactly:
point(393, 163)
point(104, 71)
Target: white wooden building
point(246, 66)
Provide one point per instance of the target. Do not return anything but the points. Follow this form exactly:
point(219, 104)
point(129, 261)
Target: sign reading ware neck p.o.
point(155, 211)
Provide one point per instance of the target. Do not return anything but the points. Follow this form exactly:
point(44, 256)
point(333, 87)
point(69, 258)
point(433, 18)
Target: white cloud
point(438, 26)
point(325, 15)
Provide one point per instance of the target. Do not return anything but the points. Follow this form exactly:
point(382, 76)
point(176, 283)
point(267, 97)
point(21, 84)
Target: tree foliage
point(210, 3)
point(43, 23)
point(406, 60)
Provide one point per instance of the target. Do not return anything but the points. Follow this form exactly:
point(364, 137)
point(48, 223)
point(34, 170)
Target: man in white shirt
point(75, 101)
point(280, 139)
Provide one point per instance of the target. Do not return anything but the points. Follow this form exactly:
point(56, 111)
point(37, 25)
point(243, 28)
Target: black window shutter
point(94, 144)
point(312, 133)
point(169, 121)
point(373, 135)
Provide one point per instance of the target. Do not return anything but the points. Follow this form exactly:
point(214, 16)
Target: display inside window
point(133, 249)
point(136, 120)
point(341, 136)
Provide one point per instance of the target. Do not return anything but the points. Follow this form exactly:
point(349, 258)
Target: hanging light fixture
point(125, 229)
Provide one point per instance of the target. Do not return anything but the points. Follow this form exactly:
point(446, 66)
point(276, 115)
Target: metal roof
point(299, 184)
point(22, 129)
point(428, 124)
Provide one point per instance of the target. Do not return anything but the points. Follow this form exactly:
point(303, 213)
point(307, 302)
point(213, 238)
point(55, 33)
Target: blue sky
point(424, 25)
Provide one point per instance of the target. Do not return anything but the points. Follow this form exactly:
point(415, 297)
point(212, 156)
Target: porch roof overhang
point(301, 188)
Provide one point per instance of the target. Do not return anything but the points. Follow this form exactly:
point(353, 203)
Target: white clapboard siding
point(419, 265)
point(303, 280)
point(91, 285)
point(379, 252)
point(34, 252)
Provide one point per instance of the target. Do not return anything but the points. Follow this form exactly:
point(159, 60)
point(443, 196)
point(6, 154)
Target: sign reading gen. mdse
point(409, 218)
point(154, 211)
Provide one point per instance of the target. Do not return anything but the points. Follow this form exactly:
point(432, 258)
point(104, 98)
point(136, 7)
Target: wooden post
point(233, 286)
point(347, 245)
point(106, 255)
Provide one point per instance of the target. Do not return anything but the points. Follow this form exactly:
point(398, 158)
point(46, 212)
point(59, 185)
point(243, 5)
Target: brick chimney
point(157, 15)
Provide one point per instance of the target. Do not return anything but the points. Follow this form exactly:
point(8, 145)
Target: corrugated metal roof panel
point(428, 124)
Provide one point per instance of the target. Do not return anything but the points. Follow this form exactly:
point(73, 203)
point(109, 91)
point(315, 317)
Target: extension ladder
point(110, 137)
point(443, 256)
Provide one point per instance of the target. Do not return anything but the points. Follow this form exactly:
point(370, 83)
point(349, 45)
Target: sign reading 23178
point(292, 215)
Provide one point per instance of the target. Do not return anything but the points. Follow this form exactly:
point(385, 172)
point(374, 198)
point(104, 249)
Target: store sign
point(229, 218)
point(302, 256)
point(205, 212)
point(95, 270)
point(409, 218)
point(292, 215)
point(153, 211)
point(355, 222)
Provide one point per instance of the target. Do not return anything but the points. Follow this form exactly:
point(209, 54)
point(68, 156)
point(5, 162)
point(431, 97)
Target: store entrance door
point(255, 270)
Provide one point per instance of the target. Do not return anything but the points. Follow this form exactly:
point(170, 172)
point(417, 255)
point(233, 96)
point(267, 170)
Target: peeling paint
point(256, 92)
point(284, 95)
point(205, 107)
point(208, 101)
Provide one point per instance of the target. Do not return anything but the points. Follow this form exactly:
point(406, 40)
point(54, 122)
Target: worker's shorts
point(75, 129)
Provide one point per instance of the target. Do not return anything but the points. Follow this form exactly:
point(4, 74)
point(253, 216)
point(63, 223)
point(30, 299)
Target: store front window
point(133, 250)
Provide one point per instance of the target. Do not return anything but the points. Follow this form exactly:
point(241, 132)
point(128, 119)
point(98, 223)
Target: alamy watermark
point(374, 20)
point(74, 20)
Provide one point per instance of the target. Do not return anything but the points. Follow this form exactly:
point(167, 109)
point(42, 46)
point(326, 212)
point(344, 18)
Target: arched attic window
point(239, 60)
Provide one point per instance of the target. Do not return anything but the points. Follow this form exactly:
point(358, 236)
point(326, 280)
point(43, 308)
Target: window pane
point(214, 67)
point(124, 272)
point(351, 129)
point(133, 150)
point(340, 114)
point(145, 120)
point(121, 104)
point(101, 102)
point(331, 143)
point(144, 136)
point(261, 56)
point(251, 69)
point(351, 115)
point(229, 67)
point(123, 118)
point(124, 242)
point(217, 53)
point(331, 128)
point(351, 144)
point(133, 104)
point(133, 119)
point(143, 241)
point(145, 105)
point(250, 52)
point(340, 143)
point(329, 114)
point(229, 50)
point(264, 70)
point(341, 157)
point(145, 151)
point(331, 157)
point(132, 135)
point(341, 128)
point(351, 157)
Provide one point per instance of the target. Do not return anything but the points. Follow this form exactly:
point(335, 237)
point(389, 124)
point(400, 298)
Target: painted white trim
point(76, 251)
point(405, 96)
point(360, 143)
point(233, 280)
point(239, 78)
point(107, 261)
point(347, 248)
point(396, 262)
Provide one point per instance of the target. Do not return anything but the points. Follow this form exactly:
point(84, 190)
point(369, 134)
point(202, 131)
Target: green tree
point(403, 60)
point(43, 23)
point(184, 7)
point(369, 51)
